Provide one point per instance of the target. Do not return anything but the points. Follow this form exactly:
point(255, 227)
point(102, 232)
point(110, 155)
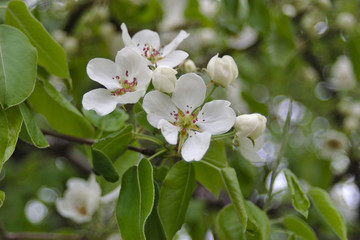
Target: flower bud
point(189, 66)
point(164, 79)
point(250, 125)
point(222, 71)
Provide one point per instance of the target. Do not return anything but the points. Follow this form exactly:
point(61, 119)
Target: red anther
point(126, 81)
point(176, 114)
point(127, 73)
point(117, 77)
point(187, 112)
point(194, 121)
point(184, 129)
point(134, 79)
point(193, 114)
point(183, 115)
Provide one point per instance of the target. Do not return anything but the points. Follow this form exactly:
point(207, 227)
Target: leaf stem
point(276, 171)
point(157, 153)
point(225, 135)
point(141, 136)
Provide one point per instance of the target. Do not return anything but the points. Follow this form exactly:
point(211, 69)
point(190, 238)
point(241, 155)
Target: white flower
point(147, 44)
point(164, 79)
point(81, 199)
point(251, 149)
point(222, 71)
point(126, 81)
point(346, 21)
point(190, 66)
point(342, 74)
point(250, 125)
point(182, 114)
point(332, 142)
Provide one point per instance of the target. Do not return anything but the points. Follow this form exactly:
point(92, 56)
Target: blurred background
point(304, 50)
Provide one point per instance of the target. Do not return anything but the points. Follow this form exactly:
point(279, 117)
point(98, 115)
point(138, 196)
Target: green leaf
point(153, 227)
point(233, 188)
point(2, 198)
point(135, 201)
point(261, 220)
point(59, 112)
point(102, 165)
point(299, 199)
point(175, 196)
point(322, 202)
point(259, 15)
point(111, 122)
point(4, 136)
point(214, 159)
point(17, 66)
point(51, 55)
point(34, 132)
point(299, 227)
point(14, 121)
point(354, 53)
point(227, 225)
point(116, 143)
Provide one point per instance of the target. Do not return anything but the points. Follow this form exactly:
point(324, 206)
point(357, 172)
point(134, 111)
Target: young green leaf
point(153, 227)
point(2, 198)
point(228, 226)
point(261, 220)
point(135, 201)
point(51, 55)
point(214, 159)
point(299, 227)
point(59, 112)
point(299, 199)
point(233, 188)
point(326, 208)
point(111, 122)
point(103, 166)
point(18, 60)
point(175, 195)
point(116, 143)
point(12, 120)
point(34, 132)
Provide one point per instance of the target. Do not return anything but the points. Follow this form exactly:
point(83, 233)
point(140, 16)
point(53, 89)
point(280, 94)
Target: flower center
point(81, 208)
point(151, 53)
point(127, 85)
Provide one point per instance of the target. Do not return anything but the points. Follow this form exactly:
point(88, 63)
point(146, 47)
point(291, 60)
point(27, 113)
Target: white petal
point(111, 196)
point(175, 42)
point(173, 59)
point(249, 151)
point(216, 117)
point(140, 39)
point(189, 92)
point(131, 62)
point(130, 97)
point(103, 70)
point(159, 106)
point(125, 35)
point(195, 146)
point(169, 131)
point(99, 100)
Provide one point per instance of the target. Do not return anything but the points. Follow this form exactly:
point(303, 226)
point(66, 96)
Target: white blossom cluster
point(176, 106)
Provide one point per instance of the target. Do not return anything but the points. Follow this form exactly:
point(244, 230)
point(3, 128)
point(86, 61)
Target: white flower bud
point(164, 79)
point(222, 71)
point(189, 66)
point(346, 21)
point(250, 125)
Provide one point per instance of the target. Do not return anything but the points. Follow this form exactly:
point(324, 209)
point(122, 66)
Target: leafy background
point(291, 57)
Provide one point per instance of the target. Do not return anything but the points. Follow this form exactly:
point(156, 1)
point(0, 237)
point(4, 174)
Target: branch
point(86, 141)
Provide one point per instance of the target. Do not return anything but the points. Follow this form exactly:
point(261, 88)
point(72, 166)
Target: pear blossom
point(342, 74)
point(81, 199)
point(125, 81)
point(222, 71)
point(147, 44)
point(164, 79)
point(250, 125)
point(182, 113)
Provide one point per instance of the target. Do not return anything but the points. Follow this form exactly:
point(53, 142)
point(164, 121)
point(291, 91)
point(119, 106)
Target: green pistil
point(186, 122)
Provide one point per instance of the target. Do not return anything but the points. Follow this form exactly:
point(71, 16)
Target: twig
point(87, 141)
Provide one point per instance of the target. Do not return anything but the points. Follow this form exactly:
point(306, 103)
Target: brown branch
point(87, 141)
